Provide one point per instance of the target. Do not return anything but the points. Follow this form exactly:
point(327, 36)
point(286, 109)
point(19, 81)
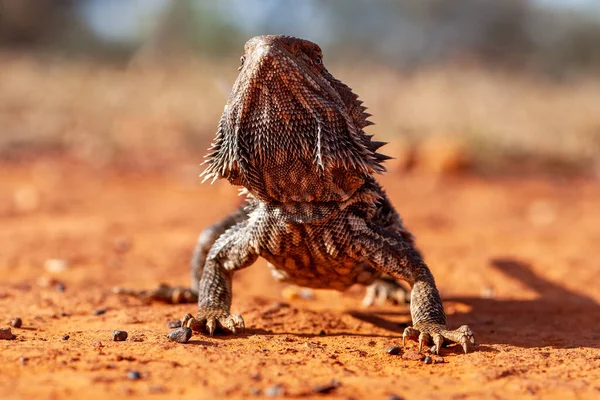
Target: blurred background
point(490, 86)
point(107, 108)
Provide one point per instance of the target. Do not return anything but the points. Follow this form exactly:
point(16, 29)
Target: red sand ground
point(517, 260)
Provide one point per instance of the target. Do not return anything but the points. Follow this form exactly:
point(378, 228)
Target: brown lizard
point(292, 136)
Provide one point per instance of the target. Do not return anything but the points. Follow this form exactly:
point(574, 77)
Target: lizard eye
point(242, 59)
point(319, 60)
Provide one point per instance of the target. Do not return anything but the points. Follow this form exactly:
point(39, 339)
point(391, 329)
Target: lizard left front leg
point(389, 253)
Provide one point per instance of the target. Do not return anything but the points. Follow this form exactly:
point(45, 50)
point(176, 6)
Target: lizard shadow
point(558, 317)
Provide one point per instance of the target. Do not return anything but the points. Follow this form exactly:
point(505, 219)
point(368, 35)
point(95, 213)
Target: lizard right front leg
point(231, 251)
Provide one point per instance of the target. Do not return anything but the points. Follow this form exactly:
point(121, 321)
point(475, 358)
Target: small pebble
point(174, 324)
point(45, 282)
point(60, 287)
point(157, 389)
point(324, 389)
point(180, 335)
point(394, 397)
point(322, 332)
point(23, 360)
point(427, 360)
point(256, 376)
point(274, 391)
point(438, 360)
point(119, 336)
point(66, 337)
point(412, 355)
point(100, 311)
point(16, 323)
point(254, 392)
point(6, 334)
point(134, 375)
point(393, 350)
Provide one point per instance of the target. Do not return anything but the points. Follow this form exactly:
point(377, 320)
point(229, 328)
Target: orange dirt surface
point(515, 259)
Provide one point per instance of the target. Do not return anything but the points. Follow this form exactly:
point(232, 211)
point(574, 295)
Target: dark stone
point(180, 335)
point(134, 375)
point(6, 334)
point(119, 336)
point(174, 324)
point(324, 389)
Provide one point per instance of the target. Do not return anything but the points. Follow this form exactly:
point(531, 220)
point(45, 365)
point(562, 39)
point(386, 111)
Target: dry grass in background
point(148, 115)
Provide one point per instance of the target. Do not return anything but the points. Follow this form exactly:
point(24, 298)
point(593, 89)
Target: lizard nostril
point(294, 48)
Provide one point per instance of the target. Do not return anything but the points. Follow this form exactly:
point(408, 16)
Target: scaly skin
point(292, 136)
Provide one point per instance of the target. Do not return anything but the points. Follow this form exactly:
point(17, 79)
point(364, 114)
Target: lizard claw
point(211, 320)
point(438, 341)
point(438, 334)
point(211, 325)
point(424, 338)
point(466, 337)
point(409, 333)
point(189, 321)
point(235, 321)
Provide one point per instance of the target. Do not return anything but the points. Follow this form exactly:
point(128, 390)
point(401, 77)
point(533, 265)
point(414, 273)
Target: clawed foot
point(164, 293)
point(210, 320)
point(437, 334)
point(385, 289)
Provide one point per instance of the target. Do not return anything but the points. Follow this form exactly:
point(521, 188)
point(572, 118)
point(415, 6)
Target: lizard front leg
point(391, 254)
point(231, 251)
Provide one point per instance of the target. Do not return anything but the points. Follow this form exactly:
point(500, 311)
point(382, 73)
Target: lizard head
point(289, 125)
